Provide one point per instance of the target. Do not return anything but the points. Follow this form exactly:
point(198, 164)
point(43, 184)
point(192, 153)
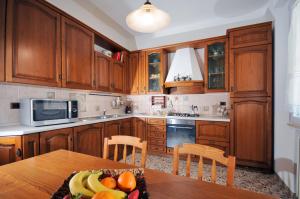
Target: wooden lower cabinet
point(140, 128)
point(88, 139)
point(156, 135)
point(110, 129)
point(10, 149)
point(224, 146)
point(55, 140)
point(31, 145)
point(217, 131)
point(214, 134)
point(252, 131)
point(126, 127)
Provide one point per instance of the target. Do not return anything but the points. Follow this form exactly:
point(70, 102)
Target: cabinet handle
point(60, 76)
point(232, 88)
point(19, 152)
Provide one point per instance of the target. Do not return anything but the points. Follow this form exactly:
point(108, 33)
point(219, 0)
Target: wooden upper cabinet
point(251, 71)
point(31, 145)
point(88, 139)
point(156, 71)
point(2, 38)
point(117, 77)
point(216, 71)
point(102, 72)
point(134, 72)
point(126, 78)
point(251, 124)
point(142, 73)
point(33, 52)
point(251, 35)
point(77, 55)
point(10, 149)
point(55, 140)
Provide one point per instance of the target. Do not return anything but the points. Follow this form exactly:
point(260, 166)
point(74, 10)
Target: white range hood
point(185, 63)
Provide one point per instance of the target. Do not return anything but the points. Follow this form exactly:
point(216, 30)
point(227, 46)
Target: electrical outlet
point(15, 105)
point(51, 95)
point(205, 108)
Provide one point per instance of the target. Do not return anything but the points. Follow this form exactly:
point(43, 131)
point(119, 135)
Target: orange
point(109, 182)
point(103, 195)
point(126, 181)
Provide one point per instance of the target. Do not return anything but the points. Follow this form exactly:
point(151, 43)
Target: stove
point(183, 114)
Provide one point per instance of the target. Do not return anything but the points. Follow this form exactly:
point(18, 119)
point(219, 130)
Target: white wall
point(97, 20)
point(285, 137)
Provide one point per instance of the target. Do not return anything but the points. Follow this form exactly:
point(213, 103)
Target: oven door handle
point(180, 127)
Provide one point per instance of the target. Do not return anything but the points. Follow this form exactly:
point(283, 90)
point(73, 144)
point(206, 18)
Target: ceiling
point(185, 14)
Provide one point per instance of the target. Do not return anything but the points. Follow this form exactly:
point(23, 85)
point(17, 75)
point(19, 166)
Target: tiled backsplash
point(89, 105)
point(207, 103)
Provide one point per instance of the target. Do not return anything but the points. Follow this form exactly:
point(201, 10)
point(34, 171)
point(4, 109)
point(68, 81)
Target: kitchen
point(216, 90)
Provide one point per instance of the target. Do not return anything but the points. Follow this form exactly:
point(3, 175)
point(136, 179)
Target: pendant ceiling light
point(147, 19)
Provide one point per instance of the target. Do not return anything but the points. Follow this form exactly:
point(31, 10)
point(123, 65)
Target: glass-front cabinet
point(155, 71)
point(216, 67)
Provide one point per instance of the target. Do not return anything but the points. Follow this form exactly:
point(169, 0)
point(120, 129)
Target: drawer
point(251, 35)
point(224, 146)
point(157, 148)
point(217, 131)
point(157, 134)
point(155, 141)
point(156, 128)
point(156, 121)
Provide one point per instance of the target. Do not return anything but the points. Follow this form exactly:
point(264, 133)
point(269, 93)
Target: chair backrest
point(126, 141)
point(216, 155)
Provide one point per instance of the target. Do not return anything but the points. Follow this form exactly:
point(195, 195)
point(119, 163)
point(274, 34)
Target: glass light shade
point(147, 19)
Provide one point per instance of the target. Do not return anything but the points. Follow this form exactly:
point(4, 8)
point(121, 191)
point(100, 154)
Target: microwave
point(42, 112)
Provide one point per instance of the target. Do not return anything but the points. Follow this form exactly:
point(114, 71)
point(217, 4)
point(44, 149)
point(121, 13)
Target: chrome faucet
point(104, 111)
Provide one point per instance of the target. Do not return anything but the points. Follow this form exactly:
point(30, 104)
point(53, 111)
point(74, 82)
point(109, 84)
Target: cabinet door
point(10, 149)
point(88, 139)
point(117, 75)
point(252, 131)
point(55, 140)
point(251, 71)
point(216, 66)
point(252, 35)
point(126, 78)
point(102, 72)
point(111, 128)
point(217, 131)
point(155, 71)
point(2, 37)
point(33, 43)
point(142, 73)
point(126, 127)
point(77, 55)
point(140, 128)
point(224, 146)
point(134, 73)
point(31, 145)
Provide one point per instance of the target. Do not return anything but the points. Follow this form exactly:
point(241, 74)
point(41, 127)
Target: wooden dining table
point(40, 176)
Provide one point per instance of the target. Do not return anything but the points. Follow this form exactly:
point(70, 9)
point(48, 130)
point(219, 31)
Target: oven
point(41, 112)
point(180, 131)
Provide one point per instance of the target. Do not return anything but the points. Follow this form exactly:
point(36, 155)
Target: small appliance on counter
point(42, 112)
point(128, 110)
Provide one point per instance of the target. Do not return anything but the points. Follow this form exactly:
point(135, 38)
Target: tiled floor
point(244, 178)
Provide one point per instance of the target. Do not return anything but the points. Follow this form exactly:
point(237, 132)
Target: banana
point(76, 184)
point(96, 186)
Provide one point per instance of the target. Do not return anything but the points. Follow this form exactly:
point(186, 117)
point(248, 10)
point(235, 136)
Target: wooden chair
point(126, 141)
point(208, 152)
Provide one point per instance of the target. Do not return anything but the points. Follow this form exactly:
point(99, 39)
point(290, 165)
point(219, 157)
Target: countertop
point(23, 130)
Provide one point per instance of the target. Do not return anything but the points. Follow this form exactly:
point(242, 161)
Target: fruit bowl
point(104, 183)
